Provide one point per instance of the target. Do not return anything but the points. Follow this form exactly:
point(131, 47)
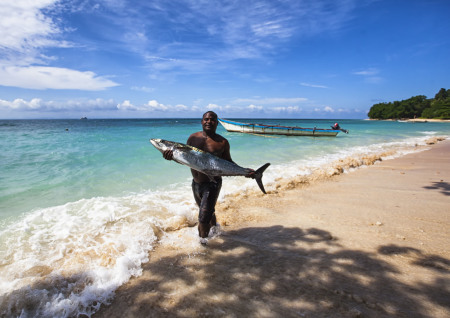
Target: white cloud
point(195, 108)
point(44, 77)
point(21, 104)
point(143, 89)
point(254, 107)
point(157, 58)
point(272, 28)
point(181, 107)
point(288, 109)
point(214, 107)
point(111, 108)
point(37, 104)
point(24, 27)
point(369, 75)
point(232, 30)
point(25, 32)
point(367, 72)
point(152, 106)
point(126, 105)
point(164, 32)
point(313, 85)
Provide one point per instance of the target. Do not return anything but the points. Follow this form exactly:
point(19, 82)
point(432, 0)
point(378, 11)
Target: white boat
point(250, 128)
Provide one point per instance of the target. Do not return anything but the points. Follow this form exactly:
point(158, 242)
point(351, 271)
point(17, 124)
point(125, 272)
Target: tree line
point(414, 107)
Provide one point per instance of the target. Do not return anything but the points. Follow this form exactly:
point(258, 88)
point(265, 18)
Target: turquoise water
point(72, 187)
point(42, 164)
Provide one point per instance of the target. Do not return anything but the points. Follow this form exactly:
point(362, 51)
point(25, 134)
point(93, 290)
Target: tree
point(416, 106)
point(440, 108)
point(442, 94)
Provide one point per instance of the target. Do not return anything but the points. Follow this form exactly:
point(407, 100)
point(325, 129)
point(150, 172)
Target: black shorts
point(206, 195)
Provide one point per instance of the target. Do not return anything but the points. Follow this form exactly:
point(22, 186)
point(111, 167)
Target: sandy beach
point(374, 242)
point(418, 120)
point(428, 120)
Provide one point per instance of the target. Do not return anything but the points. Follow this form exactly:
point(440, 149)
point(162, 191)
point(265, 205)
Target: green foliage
point(416, 106)
point(442, 94)
point(440, 108)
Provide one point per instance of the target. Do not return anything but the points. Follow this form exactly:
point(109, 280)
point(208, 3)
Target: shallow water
point(82, 203)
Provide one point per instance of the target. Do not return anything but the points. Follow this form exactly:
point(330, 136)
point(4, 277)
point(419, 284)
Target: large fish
point(205, 162)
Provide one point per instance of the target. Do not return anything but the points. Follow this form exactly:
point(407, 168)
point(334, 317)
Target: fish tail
point(258, 176)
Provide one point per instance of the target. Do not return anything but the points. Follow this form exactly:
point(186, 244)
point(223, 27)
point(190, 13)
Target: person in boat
point(336, 126)
point(206, 191)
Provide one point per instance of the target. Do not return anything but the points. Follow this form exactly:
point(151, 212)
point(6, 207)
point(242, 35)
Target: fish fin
point(258, 176)
point(210, 177)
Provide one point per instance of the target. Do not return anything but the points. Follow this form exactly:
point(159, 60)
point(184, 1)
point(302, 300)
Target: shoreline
point(422, 120)
point(417, 120)
point(425, 120)
point(370, 243)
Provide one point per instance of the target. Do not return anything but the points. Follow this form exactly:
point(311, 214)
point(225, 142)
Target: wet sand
point(371, 243)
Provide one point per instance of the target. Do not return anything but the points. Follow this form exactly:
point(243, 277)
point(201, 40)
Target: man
point(206, 191)
point(336, 126)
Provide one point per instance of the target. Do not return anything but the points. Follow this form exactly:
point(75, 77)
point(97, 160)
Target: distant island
point(414, 107)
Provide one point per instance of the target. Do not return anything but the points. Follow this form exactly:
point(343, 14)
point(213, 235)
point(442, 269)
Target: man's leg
point(213, 221)
point(203, 229)
point(207, 195)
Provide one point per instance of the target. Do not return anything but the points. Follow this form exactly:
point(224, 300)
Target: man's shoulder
point(221, 138)
point(196, 134)
point(195, 139)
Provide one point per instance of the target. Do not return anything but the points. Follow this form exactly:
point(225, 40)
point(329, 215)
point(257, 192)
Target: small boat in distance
point(262, 129)
point(83, 118)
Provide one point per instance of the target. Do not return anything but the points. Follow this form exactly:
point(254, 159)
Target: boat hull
point(234, 126)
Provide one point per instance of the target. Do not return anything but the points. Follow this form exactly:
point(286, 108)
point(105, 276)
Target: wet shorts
point(206, 195)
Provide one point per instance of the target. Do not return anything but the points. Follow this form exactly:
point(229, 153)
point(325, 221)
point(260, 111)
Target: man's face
point(209, 122)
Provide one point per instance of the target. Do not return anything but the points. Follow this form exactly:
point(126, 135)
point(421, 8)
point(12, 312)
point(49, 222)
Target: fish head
point(162, 145)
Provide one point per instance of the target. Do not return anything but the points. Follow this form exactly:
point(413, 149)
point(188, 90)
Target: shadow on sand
point(443, 187)
point(284, 272)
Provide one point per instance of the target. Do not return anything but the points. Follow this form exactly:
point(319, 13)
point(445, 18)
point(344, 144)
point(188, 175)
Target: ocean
point(84, 202)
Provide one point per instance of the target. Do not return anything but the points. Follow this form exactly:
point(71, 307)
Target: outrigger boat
point(234, 126)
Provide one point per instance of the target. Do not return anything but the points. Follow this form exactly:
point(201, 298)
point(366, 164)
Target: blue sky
point(252, 59)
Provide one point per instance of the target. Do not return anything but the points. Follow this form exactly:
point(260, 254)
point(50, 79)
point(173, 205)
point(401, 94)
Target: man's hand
point(168, 154)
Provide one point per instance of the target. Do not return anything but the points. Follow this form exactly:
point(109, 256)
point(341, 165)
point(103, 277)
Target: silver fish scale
point(207, 163)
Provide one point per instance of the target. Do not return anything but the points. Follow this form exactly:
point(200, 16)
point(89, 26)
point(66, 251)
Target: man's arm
point(168, 154)
point(226, 151)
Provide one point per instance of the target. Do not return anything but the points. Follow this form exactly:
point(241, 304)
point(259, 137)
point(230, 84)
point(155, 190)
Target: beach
point(373, 242)
point(431, 120)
